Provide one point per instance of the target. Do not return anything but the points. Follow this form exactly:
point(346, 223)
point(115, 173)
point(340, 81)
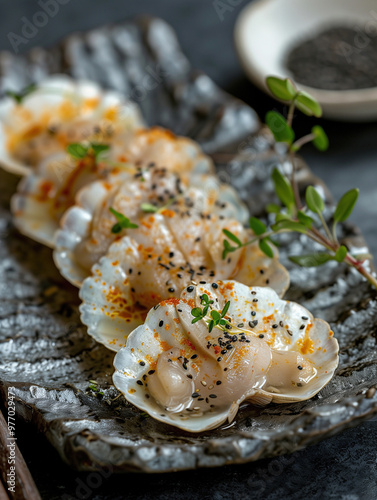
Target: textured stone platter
point(45, 353)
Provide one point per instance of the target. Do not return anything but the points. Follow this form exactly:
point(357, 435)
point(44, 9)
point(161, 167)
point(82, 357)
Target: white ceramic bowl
point(267, 29)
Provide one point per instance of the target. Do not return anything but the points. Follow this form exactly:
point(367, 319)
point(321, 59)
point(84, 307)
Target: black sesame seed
point(302, 327)
point(225, 369)
point(253, 293)
point(179, 310)
point(215, 285)
point(267, 282)
point(132, 289)
point(261, 271)
point(299, 367)
point(197, 239)
point(202, 282)
point(289, 332)
point(281, 323)
point(219, 359)
point(275, 325)
point(144, 377)
point(218, 382)
point(223, 351)
point(171, 254)
point(240, 325)
point(160, 323)
point(130, 271)
point(194, 356)
point(253, 313)
point(147, 396)
point(141, 363)
point(305, 318)
point(179, 275)
point(184, 366)
point(261, 336)
point(190, 289)
point(299, 384)
point(139, 382)
point(255, 300)
point(195, 395)
point(213, 396)
point(171, 290)
point(151, 372)
point(201, 399)
point(189, 376)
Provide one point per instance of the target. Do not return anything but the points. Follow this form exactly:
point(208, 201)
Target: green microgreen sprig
point(149, 208)
point(293, 215)
point(80, 151)
point(123, 222)
point(214, 318)
point(20, 96)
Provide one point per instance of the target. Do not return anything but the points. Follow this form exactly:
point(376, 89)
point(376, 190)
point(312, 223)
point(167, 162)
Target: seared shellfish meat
point(192, 367)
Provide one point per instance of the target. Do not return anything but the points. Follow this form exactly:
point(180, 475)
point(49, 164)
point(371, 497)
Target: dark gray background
point(344, 467)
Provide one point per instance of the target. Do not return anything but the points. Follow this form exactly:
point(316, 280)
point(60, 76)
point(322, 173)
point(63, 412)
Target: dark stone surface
point(341, 171)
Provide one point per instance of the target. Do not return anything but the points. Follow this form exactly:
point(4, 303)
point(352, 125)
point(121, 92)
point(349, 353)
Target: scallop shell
point(86, 227)
point(43, 197)
point(60, 111)
point(157, 260)
point(32, 203)
point(179, 373)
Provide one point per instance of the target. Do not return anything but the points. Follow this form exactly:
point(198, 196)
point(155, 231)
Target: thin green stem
point(293, 181)
point(303, 140)
point(325, 227)
point(291, 111)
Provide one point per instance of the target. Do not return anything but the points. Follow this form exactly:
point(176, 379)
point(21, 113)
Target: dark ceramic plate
point(45, 353)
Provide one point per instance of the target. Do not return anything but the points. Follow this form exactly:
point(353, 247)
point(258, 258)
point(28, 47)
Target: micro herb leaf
point(195, 320)
point(272, 208)
point(304, 219)
point(257, 226)
point(282, 216)
point(341, 253)
point(123, 222)
point(283, 189)
point(98, 148)
point(289, 225)
point(266, 249)
point(279, 127)
point(321, 141)
point(346, 205)
point(313, 200)
point(148, 208)
point(215, 315)
point(281, 88)
point(232, 237)
point(196, 312)
point(311, 260)
point(225, 309)
point(308, 105)
point(19, 96)
point(77, 150)
point(228, 249)
point(211, 324)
